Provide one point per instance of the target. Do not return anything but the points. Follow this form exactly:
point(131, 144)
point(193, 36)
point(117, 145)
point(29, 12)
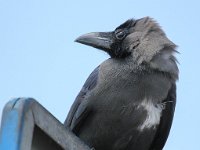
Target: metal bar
point(27, 125)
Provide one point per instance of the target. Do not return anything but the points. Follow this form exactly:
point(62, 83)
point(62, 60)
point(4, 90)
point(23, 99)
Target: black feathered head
point(142, 41)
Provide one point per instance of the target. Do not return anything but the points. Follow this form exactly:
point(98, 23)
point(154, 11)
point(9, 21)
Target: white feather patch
point(153, 114)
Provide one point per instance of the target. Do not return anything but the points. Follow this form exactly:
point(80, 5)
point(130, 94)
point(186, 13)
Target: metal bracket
point(27, 125)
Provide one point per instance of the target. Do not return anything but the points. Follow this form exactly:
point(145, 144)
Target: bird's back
point(124, 108)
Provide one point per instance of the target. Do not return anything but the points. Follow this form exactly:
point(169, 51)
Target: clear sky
point(39, 58)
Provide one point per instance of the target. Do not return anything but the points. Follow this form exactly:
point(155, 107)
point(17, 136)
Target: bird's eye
point(120, 34)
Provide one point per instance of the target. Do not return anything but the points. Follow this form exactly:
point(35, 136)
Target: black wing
point(79, 112)
point(166, 120)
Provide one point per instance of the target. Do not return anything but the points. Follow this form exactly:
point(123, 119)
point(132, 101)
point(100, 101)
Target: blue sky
point(39, 58)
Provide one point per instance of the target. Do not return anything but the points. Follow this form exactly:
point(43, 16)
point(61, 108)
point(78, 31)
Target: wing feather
point(79, 111)
point(166, 120)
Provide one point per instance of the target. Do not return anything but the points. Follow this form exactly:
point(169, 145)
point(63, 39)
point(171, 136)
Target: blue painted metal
point(21, 116)
point(12, 125)
point(10, 132)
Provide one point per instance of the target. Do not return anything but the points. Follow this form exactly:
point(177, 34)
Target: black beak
point(100, 40)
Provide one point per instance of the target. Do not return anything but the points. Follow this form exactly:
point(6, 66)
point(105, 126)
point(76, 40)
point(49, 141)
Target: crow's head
point(141, 41)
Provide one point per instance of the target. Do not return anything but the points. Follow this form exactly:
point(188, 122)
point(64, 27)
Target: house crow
point(128, 101)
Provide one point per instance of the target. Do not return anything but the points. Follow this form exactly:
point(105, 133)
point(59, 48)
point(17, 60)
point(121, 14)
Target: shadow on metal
point(26, 125)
